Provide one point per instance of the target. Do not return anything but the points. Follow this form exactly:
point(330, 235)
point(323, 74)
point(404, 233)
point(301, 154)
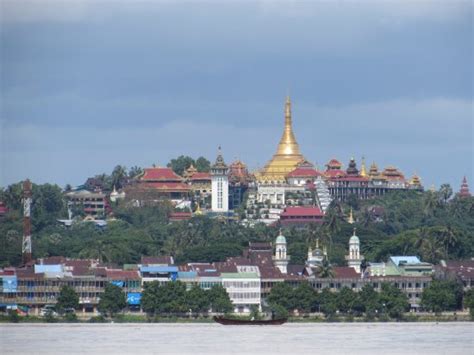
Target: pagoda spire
point(288, 144)
point(287, 156)
point(351, 218)
point(464, 191)
point(363, 170)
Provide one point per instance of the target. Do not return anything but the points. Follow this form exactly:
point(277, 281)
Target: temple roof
point(200, 176)
point(160, 174)
point(304, 172)
point(302, 211)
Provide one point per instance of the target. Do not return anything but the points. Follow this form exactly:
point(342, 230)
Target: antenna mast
point(26, 245)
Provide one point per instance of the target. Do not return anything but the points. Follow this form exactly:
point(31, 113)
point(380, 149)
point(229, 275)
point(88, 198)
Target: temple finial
point(351, 218)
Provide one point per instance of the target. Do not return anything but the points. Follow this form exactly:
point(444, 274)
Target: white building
point(220, 185)
point(354, 258)
point(281, 258)
point(243, 289)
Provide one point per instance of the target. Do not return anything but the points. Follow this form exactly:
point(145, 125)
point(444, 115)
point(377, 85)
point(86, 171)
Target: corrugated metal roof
point(159, 269)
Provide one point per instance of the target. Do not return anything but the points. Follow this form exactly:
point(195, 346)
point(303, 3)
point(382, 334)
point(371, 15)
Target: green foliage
point(202, 165)
point(13, 316)
point(279, 312)
point(442, 295)
point(180, 164)
point(198, 300)
point(112, 301)
point(304, 297)
point(327, 303)
point(394, 302)
point(282, 295)
point(469, 301)
point(169, 298)
point(219, 299)
point(68, 298)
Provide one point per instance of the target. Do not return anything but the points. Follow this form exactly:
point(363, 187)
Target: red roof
point(3, 208)
point(122, 274)
point(160, 174)
point(352, 178)
point(157, 260)
point(166, 186)
point(334, 173)
point(304, 172)
point(345, 272)
point(334, 162)
point(302, 211)
point(201, 176)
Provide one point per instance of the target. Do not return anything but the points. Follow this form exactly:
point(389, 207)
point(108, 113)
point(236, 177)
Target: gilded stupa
point(288, 154)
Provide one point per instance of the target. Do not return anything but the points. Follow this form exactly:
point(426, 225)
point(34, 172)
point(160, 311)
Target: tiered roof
point(160, 174)
point(464, 192)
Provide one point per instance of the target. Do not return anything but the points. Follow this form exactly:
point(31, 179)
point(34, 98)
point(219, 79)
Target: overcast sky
point(87, 85)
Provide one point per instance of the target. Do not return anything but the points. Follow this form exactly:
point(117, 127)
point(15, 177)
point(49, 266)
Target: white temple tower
point(220, 185)
point(354, 258)
point(281, 259)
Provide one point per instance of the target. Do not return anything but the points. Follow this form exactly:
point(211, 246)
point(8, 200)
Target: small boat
point(232, 321)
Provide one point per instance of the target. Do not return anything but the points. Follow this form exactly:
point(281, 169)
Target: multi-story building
point(92, 203)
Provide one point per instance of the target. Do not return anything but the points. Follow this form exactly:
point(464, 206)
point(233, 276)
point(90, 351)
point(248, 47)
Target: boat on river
point(234, 321)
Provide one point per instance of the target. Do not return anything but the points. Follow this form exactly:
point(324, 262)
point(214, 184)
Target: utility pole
point(26, 244)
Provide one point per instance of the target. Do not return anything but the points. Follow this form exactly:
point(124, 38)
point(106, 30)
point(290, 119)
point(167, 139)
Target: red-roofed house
point(301, 215)
point(3, 209)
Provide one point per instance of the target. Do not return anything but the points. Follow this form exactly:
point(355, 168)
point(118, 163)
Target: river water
point(290, 338)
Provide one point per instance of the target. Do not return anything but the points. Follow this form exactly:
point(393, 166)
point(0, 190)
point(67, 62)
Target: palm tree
point(449, 237)
point(430, 203)
point(446, 192)
point(332, 221)
point(325, 270)
point(431, 250)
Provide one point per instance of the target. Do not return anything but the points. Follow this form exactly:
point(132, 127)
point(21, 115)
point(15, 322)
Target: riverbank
point(128, 318)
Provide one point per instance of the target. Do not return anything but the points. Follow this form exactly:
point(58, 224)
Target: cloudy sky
point(87, 85)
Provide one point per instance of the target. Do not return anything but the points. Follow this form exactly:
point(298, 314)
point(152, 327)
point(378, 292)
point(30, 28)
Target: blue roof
point(48, 269)
point(187, 274)
point(397, 260)
point(159, 269)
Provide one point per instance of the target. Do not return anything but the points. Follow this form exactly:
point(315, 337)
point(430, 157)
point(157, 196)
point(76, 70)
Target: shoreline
point(294, 320)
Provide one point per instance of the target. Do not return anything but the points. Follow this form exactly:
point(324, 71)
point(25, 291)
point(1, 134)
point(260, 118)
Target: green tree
point(197, 300)
point(203, 165)
point(325, 270)
point(442, 295)
point(370, 301)
point(150, 301)
point(394, 302)
point(180, 164)
point(446, 191)
point(282, 294)
point(304, 297)
point(469, 301)
point(345, 300)
point(118, 177)
point(327, 303)
point(134, 172)
point(279, 312)
point(219, 299)
point(112, 301)
point(68, 298)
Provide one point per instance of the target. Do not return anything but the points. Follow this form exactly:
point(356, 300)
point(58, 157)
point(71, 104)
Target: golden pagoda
point(287, 156)
point(363, 171)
